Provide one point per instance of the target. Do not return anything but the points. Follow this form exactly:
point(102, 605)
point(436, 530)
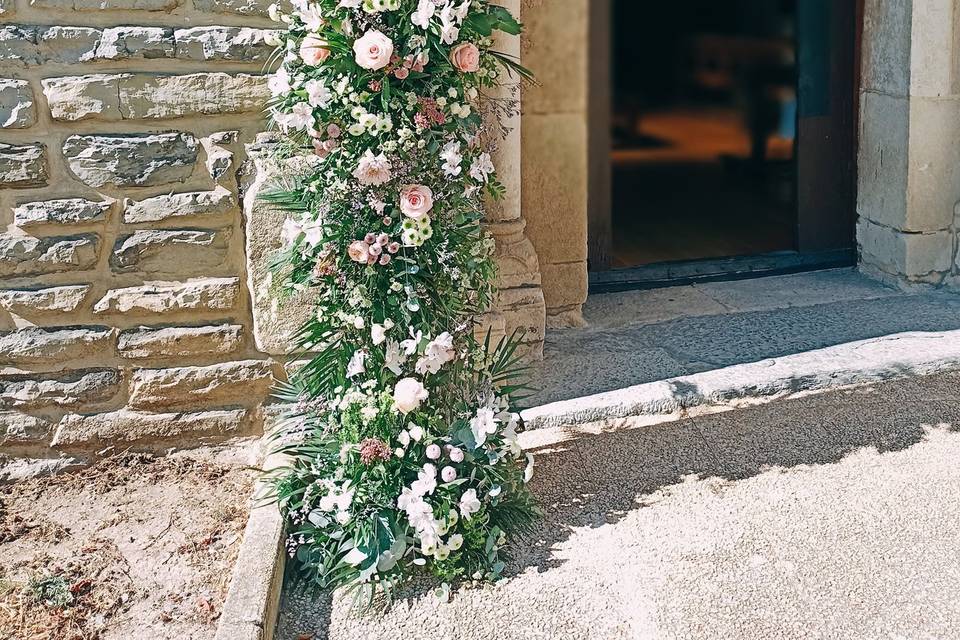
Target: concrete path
point(642, 336)
point(828, 516)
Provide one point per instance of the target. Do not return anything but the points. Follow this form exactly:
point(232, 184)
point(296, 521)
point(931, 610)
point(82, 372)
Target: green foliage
point(401, 433)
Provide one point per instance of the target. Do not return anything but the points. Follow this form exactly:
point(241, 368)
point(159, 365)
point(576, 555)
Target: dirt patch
point(136, 546)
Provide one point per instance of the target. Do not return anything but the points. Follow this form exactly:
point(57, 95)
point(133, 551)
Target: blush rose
point(466, 57)
point(373, 50)
point(313, 50)
point(416, 201)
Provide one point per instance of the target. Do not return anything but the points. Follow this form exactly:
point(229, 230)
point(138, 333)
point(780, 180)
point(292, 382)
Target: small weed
point(52, 592)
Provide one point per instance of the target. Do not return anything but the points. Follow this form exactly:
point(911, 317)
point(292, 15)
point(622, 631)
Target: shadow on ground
point(591, 481)
point(595, 480)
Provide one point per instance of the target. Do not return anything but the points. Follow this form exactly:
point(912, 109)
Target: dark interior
point(704, 129)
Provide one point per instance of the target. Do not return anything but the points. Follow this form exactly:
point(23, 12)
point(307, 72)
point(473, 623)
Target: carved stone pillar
point(519, 303)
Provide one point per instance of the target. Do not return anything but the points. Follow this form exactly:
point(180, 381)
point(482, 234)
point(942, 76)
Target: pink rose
point(359, 251)
point(314, 50)
point(402, 73)
point(466, 57)
point(373, 50)
point(416, 201)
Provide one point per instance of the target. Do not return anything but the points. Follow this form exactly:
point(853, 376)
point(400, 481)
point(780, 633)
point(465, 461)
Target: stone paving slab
point(643, 336)
point(828, 516)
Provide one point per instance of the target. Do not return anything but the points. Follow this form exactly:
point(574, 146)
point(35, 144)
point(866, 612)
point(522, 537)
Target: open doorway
point(731, 131)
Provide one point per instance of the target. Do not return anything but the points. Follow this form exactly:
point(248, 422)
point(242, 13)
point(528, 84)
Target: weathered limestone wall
point(909, 162)
point(124, 310)
point(554, 151)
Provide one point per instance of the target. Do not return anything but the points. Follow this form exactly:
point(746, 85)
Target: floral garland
point(403, 440)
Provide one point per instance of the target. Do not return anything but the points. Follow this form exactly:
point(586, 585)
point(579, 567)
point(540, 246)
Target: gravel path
point(830, 516)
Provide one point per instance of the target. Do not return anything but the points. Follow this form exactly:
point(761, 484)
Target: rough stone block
point(74, 98)
point(933, 187)
point(131, 160)
point(132, 427)
point(175, 342)
point(242, 7)
point(523, 309)
point(20, 428)
point(149, 96)
point(206, 295)
point(177, 206)
point(933, 48)
point(23, 165)
point(564, 285)
point(554, 193)
point(35, 345)
point(85, 386)
point(33, 302)
point(17, 106)
point(556, 31)
point(66, 211)
point(884, 159)
point(273, 323)
point(246, 382)
point(223, 43)
point(219, 159)
point(910, 255)
point(886, 46)
point(18, 45)
point(173, 252)
point(122, 43)
point(67, 44)
point(103, 5)
point(25, 255)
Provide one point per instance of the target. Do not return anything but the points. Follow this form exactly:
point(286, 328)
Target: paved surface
point(643, 336)
point(828, 516)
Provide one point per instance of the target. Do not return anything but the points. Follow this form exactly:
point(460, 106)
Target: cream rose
point(359, 251)
point(408, 394)
point(466, 57)
point(373, 50)
point(416, 201)
point(313, 50)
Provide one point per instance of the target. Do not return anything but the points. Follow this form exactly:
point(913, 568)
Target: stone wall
point(124, 312)
point(555, 151)
point(909, 157)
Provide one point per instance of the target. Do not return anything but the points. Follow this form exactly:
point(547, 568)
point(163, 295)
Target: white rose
point(469, 503)
point(416, 432)
point(373, 50)
point(408, 394)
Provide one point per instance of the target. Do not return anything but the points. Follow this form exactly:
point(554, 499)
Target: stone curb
point(863, 362)
point(253, 598)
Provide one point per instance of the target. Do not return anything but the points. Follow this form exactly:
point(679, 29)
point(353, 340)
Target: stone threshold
point(852, 364)
point(658, 354)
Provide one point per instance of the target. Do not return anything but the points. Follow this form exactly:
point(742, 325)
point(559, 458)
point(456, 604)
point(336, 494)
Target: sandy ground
point(135, 546)
point(830, 516)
